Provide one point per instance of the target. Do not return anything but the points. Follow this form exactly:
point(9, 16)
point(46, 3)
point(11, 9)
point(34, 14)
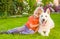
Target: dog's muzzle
point(44, 22)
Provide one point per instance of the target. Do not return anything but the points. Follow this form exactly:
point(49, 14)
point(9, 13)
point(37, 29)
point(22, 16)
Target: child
point(30, 27)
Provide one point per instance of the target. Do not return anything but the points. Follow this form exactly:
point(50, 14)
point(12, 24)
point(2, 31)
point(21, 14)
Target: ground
point(9, 23)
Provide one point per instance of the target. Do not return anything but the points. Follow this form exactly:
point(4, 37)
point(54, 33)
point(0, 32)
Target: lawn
point(9, 23)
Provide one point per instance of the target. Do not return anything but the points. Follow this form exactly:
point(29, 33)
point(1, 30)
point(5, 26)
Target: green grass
point(9, 23)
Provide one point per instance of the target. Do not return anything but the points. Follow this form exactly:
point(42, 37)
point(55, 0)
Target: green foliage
point(18, 7)
point(10, 7)
point(5, 6)
point(46, 1)
point(32, 4)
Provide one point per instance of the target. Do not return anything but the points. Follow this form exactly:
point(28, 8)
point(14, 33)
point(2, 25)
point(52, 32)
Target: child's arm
point(34, 25)
point(36, 30)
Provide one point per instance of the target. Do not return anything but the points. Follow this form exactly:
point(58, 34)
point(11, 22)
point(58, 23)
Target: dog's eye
point(41, 15)
point(45, 16)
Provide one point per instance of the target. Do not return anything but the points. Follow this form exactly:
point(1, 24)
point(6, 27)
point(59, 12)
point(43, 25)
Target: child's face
point(38, 13)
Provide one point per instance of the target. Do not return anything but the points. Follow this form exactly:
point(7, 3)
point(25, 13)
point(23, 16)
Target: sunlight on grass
point(10, 23)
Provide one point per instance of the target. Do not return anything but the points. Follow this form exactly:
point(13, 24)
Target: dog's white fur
point(44, 30)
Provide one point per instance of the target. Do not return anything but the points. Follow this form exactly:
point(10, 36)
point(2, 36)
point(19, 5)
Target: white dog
point(46, 23)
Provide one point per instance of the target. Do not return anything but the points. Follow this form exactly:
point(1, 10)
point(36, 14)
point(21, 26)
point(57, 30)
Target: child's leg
point(16, 30)
point(21, 30)
point(27, 32)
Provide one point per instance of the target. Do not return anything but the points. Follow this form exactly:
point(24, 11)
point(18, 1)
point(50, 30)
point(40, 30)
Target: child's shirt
point(33, 21)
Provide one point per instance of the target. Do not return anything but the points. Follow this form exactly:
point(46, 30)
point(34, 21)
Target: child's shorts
point(21, 30)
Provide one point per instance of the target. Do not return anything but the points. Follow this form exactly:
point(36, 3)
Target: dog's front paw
point(42, 34)
point(46, 34)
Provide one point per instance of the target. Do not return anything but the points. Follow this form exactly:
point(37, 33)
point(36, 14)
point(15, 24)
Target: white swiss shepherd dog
point(45, 23)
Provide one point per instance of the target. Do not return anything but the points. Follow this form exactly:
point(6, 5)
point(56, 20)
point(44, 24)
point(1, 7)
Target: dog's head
point(44, 17)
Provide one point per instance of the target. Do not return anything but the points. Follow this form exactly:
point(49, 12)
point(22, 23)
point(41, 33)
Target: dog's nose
point(43, 19)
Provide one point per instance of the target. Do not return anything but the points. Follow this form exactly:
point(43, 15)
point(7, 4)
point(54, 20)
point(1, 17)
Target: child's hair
point(38, 9)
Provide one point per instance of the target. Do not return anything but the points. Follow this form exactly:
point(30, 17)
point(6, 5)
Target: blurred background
point(13, 8)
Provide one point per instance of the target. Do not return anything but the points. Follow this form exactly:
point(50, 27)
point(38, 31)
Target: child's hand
point(34, 25)
point(36, 30)
point(30, 29)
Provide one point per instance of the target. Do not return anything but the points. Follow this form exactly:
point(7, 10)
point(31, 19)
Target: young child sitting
point(30, 27)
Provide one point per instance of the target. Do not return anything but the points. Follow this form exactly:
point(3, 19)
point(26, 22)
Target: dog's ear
point(48, 11)
point(38, 10)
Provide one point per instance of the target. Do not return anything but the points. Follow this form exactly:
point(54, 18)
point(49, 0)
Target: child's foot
point(3, 32)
